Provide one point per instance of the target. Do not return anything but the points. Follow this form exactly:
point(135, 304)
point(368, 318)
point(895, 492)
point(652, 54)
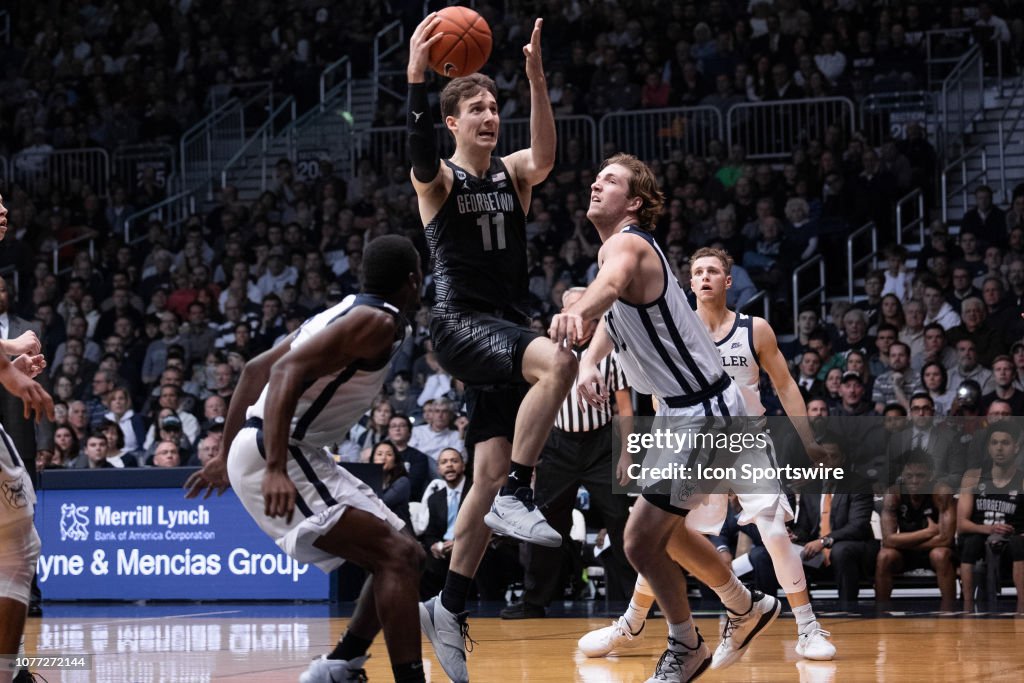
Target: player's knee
point(405, 556)
point(941, 556)
point(639, 552)
point(564, 367)
point(887, 557)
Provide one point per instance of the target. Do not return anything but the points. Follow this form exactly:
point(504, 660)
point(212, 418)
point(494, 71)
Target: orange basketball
point(466, 44)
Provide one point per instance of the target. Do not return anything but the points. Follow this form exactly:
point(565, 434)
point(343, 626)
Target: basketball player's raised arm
point(531, 166)
point(422, 143)
point(255, 373)
point(363, 334)
point(766, 346)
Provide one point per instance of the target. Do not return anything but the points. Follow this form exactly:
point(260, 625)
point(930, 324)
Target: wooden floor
point(219, 646)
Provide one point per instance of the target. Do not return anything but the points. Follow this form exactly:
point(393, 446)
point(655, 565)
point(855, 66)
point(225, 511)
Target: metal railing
point(961, 99)
point(61, 168)
point(208, 145)
point(818, 290)
point(871, 257)
point(766, 305)
point(770, 130)
point(910, 215)
point(220, 94)
point(981, 177)
point(263, 136)
point(322, 131)
point(329, 89)
point(57, 249)
point(381, 51)
point(171, 212)
point(943, 49)
point(1006, 136)
point(655, 134)
point(130, 163)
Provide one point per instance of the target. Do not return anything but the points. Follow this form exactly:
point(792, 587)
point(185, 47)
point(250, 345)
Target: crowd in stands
point(145, 342)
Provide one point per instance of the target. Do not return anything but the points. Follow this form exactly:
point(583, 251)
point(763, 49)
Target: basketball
point(466, 44)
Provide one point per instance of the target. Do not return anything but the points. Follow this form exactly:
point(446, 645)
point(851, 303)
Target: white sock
point(683, 633)
point(742, 565)
point(734, 595)
point(804, 615)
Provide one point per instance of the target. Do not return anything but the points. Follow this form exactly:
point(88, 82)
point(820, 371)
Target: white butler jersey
point(17, 497)
point(740, 360)
point(333, 403)
point(663, 347)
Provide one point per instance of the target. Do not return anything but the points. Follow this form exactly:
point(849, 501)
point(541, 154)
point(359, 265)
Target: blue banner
point(152, 544)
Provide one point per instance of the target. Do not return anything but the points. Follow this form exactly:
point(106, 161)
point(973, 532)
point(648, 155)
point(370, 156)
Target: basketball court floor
point(193, 643)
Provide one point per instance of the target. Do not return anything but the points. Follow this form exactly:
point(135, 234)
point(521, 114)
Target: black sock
point(349, 647)
point(411, 672)
point(456, 588)
point(519, 476)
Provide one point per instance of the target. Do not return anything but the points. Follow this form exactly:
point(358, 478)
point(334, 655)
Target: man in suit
point(22, 337)
point(807, 376)
point(836, 525)
point(443, 507)
point(949, 458)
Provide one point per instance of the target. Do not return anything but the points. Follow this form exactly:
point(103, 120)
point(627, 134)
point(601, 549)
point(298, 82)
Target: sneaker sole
point(495, 524)
point(628, 645)
point(824, 658)
point(427, 624)
point(764, 622)
point(703, 667)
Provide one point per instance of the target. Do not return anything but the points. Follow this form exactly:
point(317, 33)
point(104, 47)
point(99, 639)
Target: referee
point(578, 452)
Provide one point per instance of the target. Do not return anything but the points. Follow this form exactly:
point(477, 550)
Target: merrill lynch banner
point(152, 544)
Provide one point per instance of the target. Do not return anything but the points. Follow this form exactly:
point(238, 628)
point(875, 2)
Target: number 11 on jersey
point(498, 221)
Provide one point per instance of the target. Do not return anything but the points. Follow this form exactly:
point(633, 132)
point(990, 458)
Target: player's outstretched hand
point(278, 495)
point(534, 64)
point(591, 387)
point(565, 329)
point(27, 342)
point(419, 46)
point(212, 477)
point(34, 397)
point(30, 364)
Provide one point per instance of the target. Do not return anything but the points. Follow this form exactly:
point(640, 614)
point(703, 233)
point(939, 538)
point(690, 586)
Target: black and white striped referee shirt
point(575, 418)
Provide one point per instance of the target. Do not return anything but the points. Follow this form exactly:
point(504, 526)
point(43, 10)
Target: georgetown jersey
point(740, 360)
point(17, 497)
point(999, 505)
point(910, 517)
point(478, 243)
point(329, 406)
point(663, 347)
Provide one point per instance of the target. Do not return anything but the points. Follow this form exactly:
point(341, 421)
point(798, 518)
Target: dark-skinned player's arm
point(943, 499)
point(766, 346)
point(364, 333)
point(214, 474)
point(622, 255)
point(532, 165)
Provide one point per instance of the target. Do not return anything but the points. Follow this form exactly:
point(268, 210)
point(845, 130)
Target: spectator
point(829, 60)
point(166, 455)
point(156, 353)
point(66, 446)
point(918, 526)
point(897, 281)
point(985, 220)
point(396, 484)
point(419, 466)
point(937, 309)
point(974, 326)
point(851, 392)
point(205, 452)
point(897, 383)
point(1003, 376)
point(807, 376)
point(436, 434)
point(968, 368)
point(443, 507)
point(935, 381)
point(94, 456)
point(935, 349)
point(116, 453)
